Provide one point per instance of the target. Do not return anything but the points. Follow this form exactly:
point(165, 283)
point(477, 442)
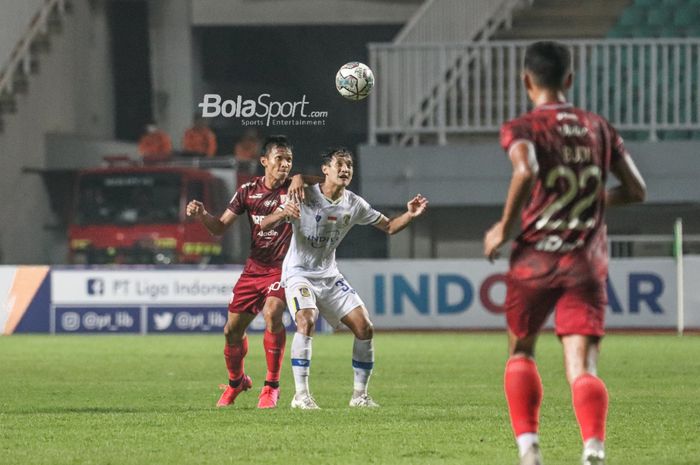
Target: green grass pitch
point(150, 400)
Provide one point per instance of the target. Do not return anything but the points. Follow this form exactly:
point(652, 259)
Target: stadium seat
point(686, 16)
point(620, 32)
point(692, 31)
point(659, 16)
point(633, 16)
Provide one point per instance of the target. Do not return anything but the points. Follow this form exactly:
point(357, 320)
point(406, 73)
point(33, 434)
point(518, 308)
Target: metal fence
point(427, 92)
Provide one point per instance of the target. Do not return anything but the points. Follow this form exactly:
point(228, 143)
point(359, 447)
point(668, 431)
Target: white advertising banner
point(399, 294)
point(142, 287)
point(691, 284)
point(466, 294)
point(7, 276)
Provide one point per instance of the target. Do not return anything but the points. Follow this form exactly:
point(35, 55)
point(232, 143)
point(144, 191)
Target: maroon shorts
point(572, 287)
point(253, 288)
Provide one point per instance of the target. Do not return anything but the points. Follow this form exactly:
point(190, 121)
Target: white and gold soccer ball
point(354, 80)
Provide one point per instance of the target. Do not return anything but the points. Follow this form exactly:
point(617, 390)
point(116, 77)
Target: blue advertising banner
point(97, 320)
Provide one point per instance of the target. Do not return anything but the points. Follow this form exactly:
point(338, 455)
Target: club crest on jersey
point(283, 198)
point(318, 218)
point(346, 220)
point(305, 292)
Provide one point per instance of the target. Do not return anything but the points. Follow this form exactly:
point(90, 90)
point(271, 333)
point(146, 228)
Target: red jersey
point(574, 150)
point(565, 211)
point(268, 248)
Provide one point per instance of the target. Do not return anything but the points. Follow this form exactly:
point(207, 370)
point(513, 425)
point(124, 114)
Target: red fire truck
point(133, 213)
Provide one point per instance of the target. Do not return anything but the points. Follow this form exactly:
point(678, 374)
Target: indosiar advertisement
point(399, 294)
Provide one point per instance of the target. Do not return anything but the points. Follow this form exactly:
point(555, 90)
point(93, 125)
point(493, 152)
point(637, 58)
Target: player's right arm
point(215, 226)
point(525, 167)
point(632, 188)
point(285, 213)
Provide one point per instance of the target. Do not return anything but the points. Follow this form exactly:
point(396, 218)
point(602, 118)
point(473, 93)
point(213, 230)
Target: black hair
point(548, 62)
point(327, 156)
point(274, 141)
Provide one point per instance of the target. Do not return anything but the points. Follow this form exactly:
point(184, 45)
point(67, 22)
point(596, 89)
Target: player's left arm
point(285, 213)
point(525, 168)
point(299, 181)
point(414, 208)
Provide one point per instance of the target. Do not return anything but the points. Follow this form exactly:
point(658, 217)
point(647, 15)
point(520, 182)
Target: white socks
point(526, 440)
point(301, 362)
point(362, 364)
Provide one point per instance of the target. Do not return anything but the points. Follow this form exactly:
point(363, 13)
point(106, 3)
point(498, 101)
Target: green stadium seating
point(692, 31)
point(686, 16)
point(659, 16)
point(633, 16)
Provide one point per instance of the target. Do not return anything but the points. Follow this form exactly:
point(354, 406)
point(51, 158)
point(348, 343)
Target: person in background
point(199, 140)
point(155, 143)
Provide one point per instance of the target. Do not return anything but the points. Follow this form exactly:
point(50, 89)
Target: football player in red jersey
point(561, 157)
point(258, 289)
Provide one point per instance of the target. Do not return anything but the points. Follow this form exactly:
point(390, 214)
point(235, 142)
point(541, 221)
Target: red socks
point(523, 388)
point(274, 353)
point(234, 356)
point(590, 399)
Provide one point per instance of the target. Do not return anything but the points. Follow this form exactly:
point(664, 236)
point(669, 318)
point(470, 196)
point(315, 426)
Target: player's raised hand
point(291, 210)
point(493, 240)
point(296, 188)
point(196, 209)
point(417, 206)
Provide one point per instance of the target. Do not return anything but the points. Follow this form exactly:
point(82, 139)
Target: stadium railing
point(457, 20)
point(641, 85)
point(23, 59)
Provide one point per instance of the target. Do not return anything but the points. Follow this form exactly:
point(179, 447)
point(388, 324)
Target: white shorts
point(332, 297)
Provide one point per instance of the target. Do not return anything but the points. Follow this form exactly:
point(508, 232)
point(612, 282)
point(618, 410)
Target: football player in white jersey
point(313, 284)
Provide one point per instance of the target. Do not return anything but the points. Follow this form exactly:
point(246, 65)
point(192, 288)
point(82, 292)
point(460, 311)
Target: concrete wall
point(172, 66)
point(478, 174)
point(70, 94)
point(467, 185)
point(286, 12)
point(15, 17)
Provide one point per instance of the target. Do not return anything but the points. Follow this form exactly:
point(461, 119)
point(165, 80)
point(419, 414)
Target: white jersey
point(323, 223)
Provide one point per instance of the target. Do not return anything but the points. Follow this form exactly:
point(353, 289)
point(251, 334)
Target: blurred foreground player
point(258, 289)
point(313, 284)
point(561, 158)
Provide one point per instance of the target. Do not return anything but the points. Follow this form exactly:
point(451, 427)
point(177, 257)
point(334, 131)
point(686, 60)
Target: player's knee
point(233, 332)
point(274, 325)
point(365, 330)
point(274, 322)
point(305, 323)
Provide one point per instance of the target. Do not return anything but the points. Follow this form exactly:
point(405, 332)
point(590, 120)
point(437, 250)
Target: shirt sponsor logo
point(255, 196)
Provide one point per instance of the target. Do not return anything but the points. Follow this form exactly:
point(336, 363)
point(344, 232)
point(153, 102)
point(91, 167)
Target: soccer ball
point(354, 80)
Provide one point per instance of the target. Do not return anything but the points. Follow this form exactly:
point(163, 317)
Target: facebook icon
point(95, 286)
